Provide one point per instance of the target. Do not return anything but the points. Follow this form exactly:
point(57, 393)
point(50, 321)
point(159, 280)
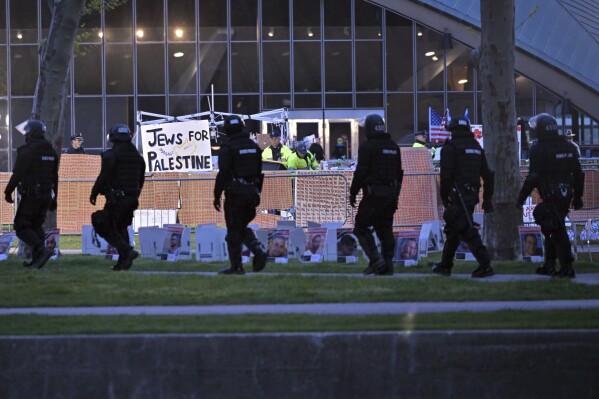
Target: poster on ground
point(6, 241)
point(277, 245)
point(531, 242)
point(52, 241)
point(406, 247)
point(315, 241)
point(347, 246)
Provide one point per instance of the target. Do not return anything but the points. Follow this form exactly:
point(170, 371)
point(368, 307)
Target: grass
point(80, 280)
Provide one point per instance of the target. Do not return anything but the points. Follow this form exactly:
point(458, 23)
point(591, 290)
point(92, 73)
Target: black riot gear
point(373, 123)
point(555, 172)
point(35, 129)
point(458, 123)
point(463, 163)
point(35, 176)
point(240, 177)
point(120, 180)
point(543, 125)
point(120, 132)
point(379, 175)
point(233, 124)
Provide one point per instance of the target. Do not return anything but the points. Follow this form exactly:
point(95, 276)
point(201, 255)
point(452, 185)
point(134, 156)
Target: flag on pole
point(436, 126)
point(466, 115)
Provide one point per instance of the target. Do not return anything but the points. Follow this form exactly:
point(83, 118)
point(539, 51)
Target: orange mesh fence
point(74, 209)
point(322, 197)
point(277, 191)
point(160, 191)
point(7, 211)
point(418, 198)
point(197, 194)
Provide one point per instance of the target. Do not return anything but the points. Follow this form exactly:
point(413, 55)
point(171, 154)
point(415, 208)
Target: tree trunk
point(50, 92)
point(496, 68)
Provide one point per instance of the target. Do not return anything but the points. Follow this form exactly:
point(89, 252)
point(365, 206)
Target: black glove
point(488, 206)
point(92, 199)
point(8, 198)
point(577, 203)
point(53, 205)
point(216, 204)
point(352, 201)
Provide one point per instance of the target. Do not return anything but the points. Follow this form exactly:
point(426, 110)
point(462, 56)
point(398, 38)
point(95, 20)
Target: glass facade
point(166, 56)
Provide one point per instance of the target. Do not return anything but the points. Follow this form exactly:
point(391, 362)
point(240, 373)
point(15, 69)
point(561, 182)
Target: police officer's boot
point(444, 267)
point(484, 269)
point(386, 269)
point(41, 255)
point(128, 259)
point(375, 260)
point(548, 268)
point(260, 255)
point(235, 259)
point(566, 271)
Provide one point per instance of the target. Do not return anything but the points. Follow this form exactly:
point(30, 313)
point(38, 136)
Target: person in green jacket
point(302, 159)
point(276, 151)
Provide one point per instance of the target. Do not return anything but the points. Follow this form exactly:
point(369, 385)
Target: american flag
point(436, 126)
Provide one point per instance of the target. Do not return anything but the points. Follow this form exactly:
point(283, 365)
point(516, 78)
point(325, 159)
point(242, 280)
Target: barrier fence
point(310, 196)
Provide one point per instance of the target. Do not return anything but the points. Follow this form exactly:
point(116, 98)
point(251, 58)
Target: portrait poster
point(406, 247)
point(51, 241)
point(531, 241)
point(277, 245)
point(111, 253)
point(6, 241)
point(347, 246)
point(91, 242)
point(171, 248)
point(315, 241)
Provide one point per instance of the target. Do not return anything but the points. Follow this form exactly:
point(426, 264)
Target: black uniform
point(240, 177)
point(379, 175)
point(72, 150)
point(35, 176)
point(463, 163)
point(556, 173)
point(120, 181)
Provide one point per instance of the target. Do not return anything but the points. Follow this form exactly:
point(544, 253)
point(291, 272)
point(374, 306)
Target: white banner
point(177, 147)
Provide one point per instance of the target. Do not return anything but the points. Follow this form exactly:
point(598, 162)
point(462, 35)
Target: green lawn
point(79, 280)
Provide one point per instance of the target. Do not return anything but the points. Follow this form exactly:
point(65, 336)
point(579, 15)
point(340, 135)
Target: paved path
point(399, 308)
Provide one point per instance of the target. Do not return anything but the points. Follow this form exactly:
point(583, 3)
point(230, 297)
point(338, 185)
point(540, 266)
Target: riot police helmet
point(120, 132)
point(233, 124)
point(458, 123)
point(373, 123)
point(543, 125)
point(35, 128)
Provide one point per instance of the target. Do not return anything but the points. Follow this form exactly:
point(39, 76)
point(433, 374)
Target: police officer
point(276, 151)
point(421, 141)
point(76, 145)
point(463, 163)
point(240, 177)
point(35, 175)
point(120, 180)
point(556, 173)
point(302, 159)
point(379, 175)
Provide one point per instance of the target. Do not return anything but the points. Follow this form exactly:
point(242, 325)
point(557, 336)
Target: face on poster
point(531, 244)
point(347, 246)
point(278, 241)
point(51, 241)
point(406, 248)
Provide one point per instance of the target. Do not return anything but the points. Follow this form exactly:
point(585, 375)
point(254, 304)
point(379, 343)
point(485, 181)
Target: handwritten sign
point(177, 147)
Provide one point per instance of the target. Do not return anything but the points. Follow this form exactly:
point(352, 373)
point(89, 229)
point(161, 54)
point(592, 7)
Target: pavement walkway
point(395, 308)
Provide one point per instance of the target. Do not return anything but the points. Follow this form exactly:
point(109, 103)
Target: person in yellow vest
point(420, 141)
point(302, 159)
point(276, 151)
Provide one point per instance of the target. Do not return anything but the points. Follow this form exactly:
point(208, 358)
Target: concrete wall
point(505, 364)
